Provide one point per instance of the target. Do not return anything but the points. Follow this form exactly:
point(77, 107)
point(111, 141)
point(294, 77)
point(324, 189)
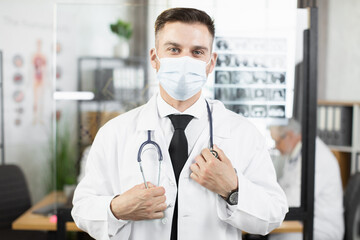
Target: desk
point(30, 221)
point(289, 227)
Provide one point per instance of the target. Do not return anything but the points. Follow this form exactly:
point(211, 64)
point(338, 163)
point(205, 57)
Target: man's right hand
point(139, 203)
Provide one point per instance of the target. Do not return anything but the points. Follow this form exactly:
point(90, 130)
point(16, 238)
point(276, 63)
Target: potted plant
point(63, 156)
point(124, 31)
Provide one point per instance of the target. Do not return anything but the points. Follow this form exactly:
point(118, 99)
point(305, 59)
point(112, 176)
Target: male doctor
point(195, 193)
point(328, 198)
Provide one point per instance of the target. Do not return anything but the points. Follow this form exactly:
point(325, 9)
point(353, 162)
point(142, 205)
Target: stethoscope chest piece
point(216, 155)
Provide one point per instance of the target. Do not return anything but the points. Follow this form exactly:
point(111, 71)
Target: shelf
point(99, 100)
point(247, 102)
point(74, 95)
point(230, 52)
point(337, 103)
point(115, 89)
point(249, 69)
point(345, 115)
point(129, 59)
point(272, 86)
point(341, 148)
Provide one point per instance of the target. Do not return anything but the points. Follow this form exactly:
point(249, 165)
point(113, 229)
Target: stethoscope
point(149, 141)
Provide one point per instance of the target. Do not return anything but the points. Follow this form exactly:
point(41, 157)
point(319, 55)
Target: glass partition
point(2, 144)
point(103, 70)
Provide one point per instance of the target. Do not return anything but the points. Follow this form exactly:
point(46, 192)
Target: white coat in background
point(328, 194)
point(112, 169)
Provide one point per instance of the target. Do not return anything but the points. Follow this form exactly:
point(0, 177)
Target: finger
point(141, 186)
point(159, 200)
point(150, 185)
point(200, 161)
point(157, 215)
point(160, 207)
point(194, 176)
point(157, 191)
point(221, 153)
point(194, 168)
point(207, 155)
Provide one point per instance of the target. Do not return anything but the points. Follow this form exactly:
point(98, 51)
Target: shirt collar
point(196, 110)
point(296, 153)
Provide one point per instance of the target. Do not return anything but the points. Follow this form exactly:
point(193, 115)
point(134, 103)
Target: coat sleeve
point(328, 206)
point(91, 203)
point(262, 204)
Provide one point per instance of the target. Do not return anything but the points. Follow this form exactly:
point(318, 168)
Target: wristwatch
point(232, 199)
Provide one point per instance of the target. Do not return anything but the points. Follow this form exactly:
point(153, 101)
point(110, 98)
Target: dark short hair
point(184, 15)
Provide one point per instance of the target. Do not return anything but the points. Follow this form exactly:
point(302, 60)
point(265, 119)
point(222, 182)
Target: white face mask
point(182, 77)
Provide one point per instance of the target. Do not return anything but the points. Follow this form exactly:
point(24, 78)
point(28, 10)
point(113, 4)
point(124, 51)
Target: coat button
point(172, 183)
point(164, 220)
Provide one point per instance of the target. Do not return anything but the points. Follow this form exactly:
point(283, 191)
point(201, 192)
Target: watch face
point(233, 198)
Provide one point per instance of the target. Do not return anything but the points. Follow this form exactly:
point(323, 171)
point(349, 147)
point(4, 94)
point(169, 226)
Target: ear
point(211, 67)
point(153, 59)
point(291, 134)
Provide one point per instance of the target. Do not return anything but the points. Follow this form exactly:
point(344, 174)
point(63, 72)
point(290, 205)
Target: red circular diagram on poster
point(19, 110)
point(58, 48)
point(18, 78)
point(18, 96)
point(58, 72)
point(17, 122)
point(18, 61)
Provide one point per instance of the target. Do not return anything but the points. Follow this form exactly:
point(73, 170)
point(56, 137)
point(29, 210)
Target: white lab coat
point(328, 194)
point(112, 169)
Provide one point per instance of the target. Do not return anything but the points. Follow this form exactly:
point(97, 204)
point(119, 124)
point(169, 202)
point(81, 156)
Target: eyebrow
point(172, 44)
point(197, 47)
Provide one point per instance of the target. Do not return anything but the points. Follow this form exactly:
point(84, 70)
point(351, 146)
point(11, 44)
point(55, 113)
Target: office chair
point(254, 237)
point(63, 216)
point(352, 208)
point(14, 200)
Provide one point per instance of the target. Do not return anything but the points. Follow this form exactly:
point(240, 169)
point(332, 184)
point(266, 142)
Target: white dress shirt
point(195, 126)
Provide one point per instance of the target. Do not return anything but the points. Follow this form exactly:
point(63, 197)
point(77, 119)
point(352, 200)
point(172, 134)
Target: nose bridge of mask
point(195, 62)
point(195, 66)
point(169, 64)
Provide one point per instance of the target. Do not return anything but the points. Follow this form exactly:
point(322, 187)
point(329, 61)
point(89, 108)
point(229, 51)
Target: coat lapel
point(221, 131)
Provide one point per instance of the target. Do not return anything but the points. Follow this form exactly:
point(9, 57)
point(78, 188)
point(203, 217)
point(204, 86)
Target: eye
point(174, 50)
point(198, 52)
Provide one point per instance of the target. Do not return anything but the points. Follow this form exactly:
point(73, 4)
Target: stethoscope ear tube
point(148, 141)
point(142, 173)
point(211, 131)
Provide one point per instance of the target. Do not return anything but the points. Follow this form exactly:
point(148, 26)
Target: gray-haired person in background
point(328, 205)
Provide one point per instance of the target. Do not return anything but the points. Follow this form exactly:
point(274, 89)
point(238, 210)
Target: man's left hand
point(217, 175)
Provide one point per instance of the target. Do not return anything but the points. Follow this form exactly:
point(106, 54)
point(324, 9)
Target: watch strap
point(227, 199)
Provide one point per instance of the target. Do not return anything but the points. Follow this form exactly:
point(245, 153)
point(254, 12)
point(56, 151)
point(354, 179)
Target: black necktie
point(178, 150)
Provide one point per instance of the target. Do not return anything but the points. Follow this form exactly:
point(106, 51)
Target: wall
point(341, 56)
point(27, 119)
